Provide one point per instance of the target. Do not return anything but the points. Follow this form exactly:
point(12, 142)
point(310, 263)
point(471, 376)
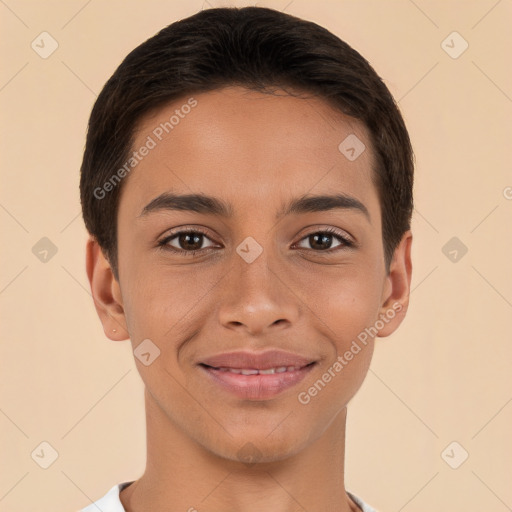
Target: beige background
point(444, 376)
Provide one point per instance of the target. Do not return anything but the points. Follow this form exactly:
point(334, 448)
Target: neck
point(182, 475)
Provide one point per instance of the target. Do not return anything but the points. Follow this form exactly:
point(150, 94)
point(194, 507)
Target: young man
point(247, 185)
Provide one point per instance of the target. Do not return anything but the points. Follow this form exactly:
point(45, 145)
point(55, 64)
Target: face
point(246, 271)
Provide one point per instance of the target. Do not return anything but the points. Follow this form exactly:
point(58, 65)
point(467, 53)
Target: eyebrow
point(201, 203)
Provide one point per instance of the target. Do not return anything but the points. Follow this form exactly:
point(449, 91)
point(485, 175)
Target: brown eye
point(187, 242)
point(323, 240)
point(190, 241)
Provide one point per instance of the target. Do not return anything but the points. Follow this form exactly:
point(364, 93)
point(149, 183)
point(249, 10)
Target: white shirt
point(111, 502)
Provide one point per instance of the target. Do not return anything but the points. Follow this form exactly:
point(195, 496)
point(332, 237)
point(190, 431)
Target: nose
point(256, 297)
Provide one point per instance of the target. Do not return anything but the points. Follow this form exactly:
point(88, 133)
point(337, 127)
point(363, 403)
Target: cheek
point(161, 300)
point(168, 307)
point(346, 298)
point(343, 306)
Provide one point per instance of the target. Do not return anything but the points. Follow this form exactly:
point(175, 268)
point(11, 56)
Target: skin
point(255, 151)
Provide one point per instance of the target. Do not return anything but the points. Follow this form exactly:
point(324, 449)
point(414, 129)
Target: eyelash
point(162, 244)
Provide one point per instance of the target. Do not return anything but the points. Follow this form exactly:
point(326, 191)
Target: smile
point(252, 371)
point(254, 384)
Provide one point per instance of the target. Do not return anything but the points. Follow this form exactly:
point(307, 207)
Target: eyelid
point(319, 228)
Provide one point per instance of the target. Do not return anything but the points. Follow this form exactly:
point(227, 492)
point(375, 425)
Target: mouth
point(254, 383)
point(255, 371)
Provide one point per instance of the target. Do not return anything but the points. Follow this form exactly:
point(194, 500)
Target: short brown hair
point(260, 49)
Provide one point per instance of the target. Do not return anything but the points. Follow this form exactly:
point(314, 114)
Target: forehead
point(248, 145)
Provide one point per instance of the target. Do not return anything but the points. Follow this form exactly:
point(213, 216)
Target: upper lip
point(257, 360)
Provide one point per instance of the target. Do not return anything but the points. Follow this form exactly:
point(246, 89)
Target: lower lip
point(259, 386)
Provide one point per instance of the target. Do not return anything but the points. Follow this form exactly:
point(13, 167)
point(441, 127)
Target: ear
point(106, 292)
point(395, 297)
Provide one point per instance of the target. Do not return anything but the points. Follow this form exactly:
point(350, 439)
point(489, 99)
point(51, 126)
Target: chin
point(259, 449)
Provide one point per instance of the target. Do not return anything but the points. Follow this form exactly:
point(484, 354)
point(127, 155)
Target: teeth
point(249, 372)
point(252, 371)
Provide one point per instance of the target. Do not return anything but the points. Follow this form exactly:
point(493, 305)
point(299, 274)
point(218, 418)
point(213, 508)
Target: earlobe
point(106, 292)
point(396, 299)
